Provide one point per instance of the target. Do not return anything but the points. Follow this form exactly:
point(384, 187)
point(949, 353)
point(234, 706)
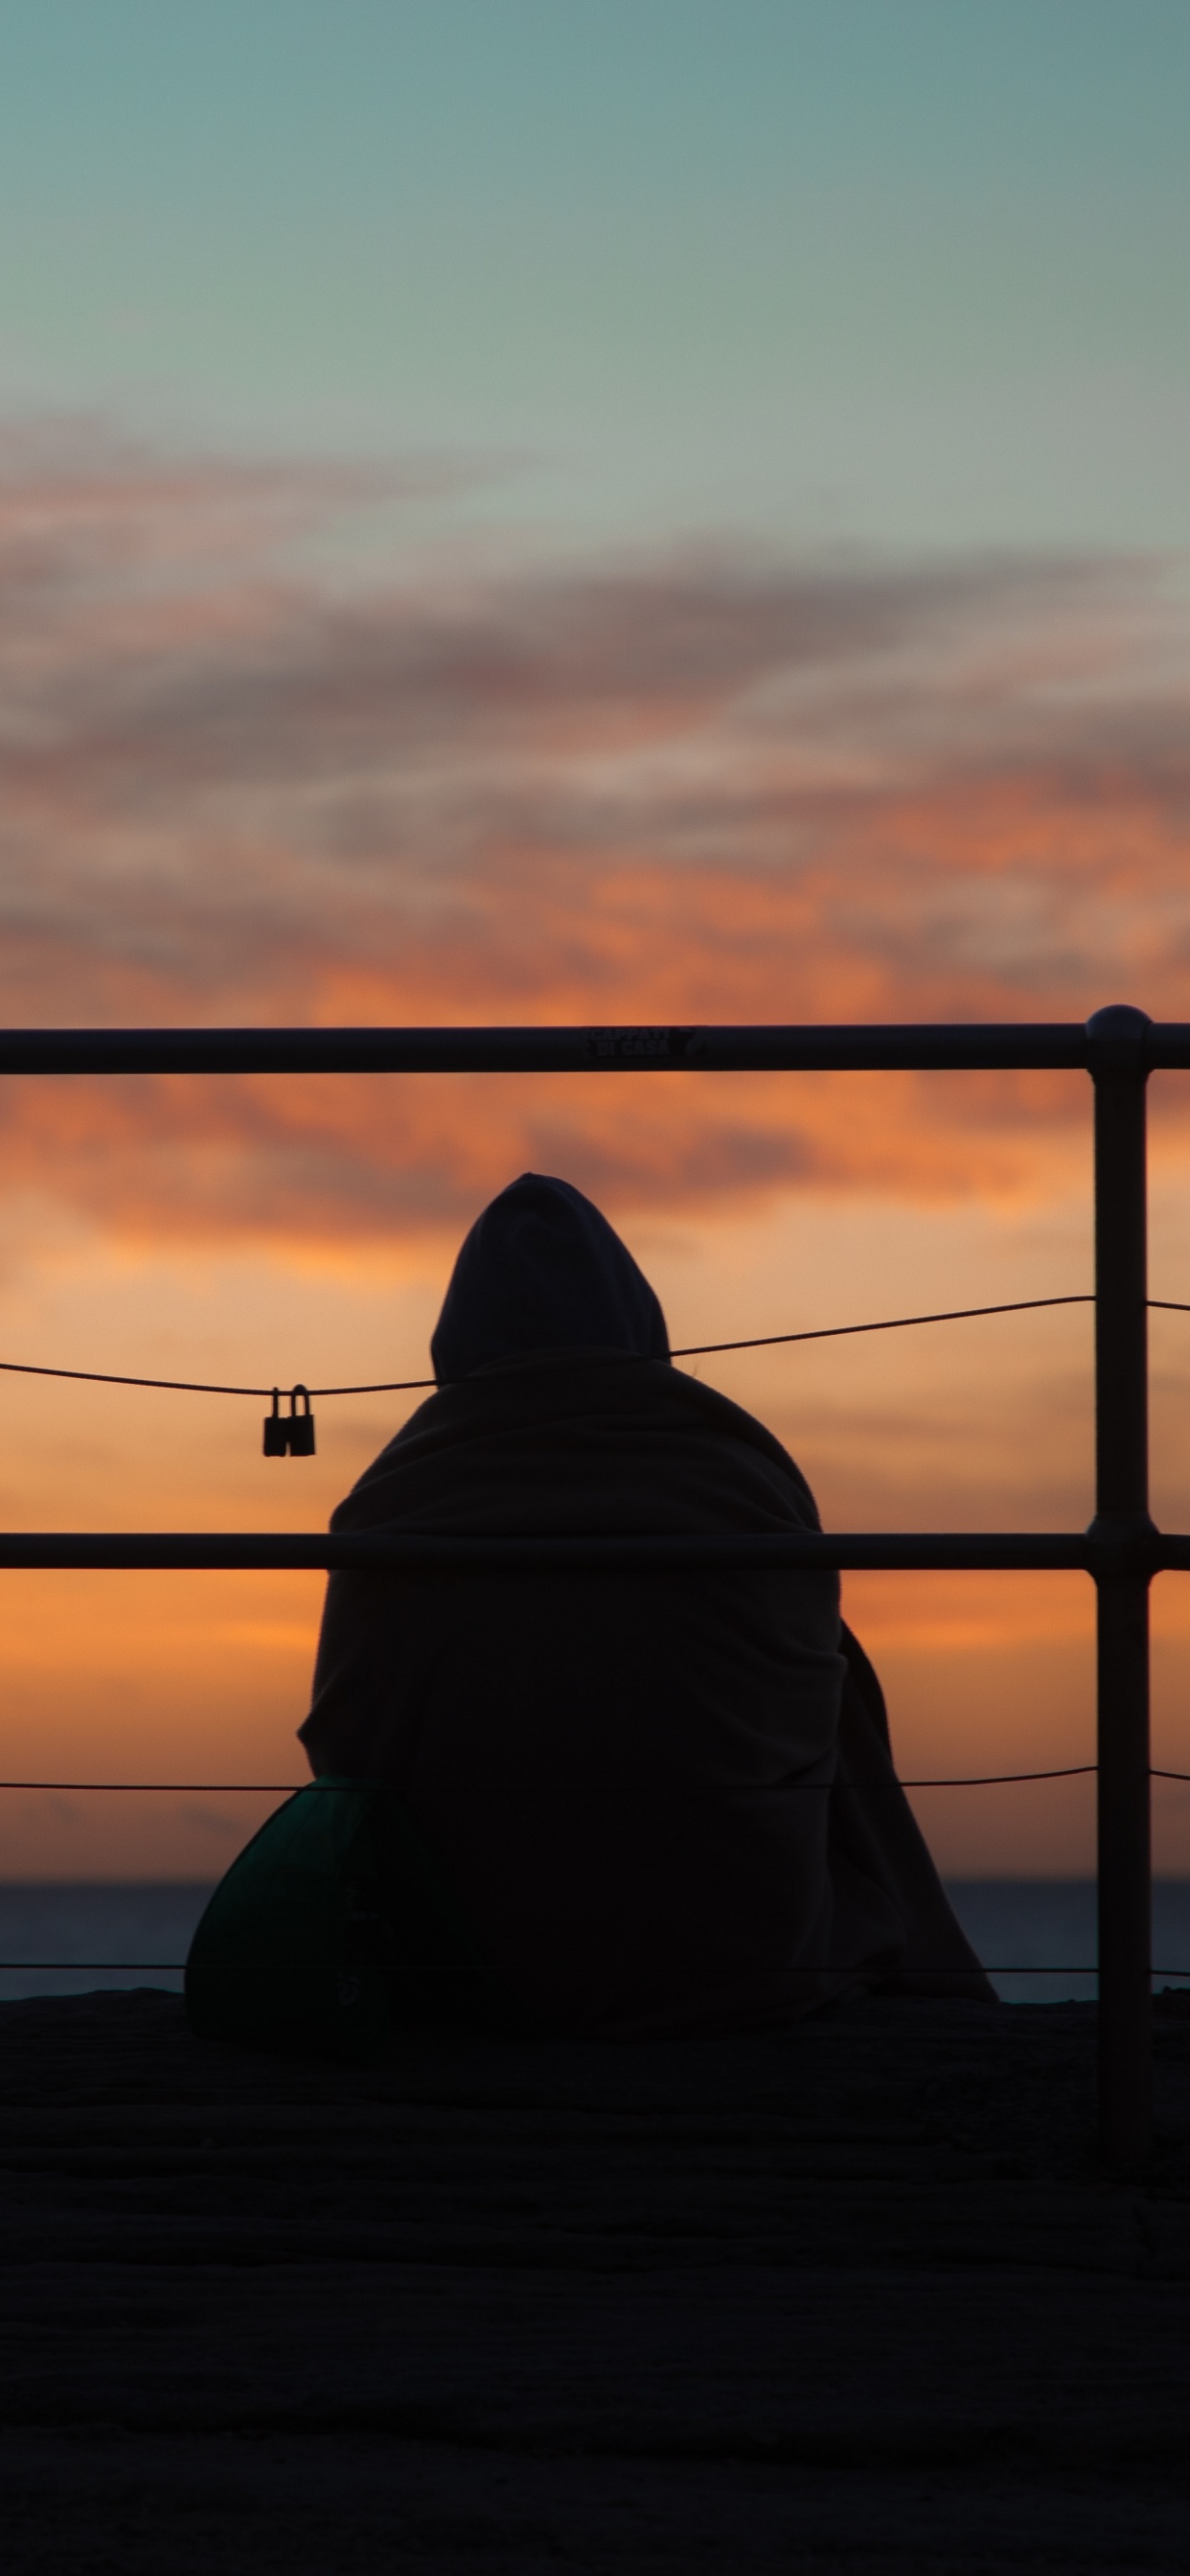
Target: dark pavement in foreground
point(853, 2298)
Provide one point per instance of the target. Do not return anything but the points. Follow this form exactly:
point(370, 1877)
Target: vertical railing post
point(1118, 1064)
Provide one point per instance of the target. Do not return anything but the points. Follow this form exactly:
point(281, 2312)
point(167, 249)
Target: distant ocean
point(1039, 1924)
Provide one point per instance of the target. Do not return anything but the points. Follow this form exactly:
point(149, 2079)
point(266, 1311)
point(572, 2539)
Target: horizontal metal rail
point(907, 1047)
point(383, 1551)
point(434, 1968)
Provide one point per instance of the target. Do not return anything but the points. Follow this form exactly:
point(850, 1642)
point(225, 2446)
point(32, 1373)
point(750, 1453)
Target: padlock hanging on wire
point(289, 1435)
point(300, 1426)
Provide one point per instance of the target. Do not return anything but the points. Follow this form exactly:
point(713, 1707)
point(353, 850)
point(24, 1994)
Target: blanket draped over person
point(666, 1800)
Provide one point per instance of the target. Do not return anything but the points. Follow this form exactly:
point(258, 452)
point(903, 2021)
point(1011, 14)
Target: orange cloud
point(237, 787)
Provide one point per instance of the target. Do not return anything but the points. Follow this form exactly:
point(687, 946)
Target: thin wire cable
point(211, 1788)
point(1000, 1779)
point(290, 1788)
point(198, 1386)
point(887, 1324)
point(688, 1351)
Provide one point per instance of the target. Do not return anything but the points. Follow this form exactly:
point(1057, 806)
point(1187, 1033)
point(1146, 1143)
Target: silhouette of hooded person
point(665, 1799)
point(542, 1270)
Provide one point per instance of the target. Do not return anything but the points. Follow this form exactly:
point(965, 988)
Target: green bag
point(333, 1931)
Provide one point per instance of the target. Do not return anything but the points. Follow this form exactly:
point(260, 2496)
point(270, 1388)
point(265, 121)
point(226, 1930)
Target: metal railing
point(1122, 1549)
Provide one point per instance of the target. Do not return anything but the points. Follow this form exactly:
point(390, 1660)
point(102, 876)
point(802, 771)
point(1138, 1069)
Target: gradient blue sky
point(910, 271)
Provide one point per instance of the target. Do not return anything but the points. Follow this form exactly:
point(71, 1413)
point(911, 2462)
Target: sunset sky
point(517, 512)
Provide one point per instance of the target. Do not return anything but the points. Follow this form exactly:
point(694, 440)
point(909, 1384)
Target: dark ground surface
point(852, 2299)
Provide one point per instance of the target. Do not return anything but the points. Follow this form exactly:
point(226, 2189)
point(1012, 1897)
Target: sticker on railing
point(644, 1046)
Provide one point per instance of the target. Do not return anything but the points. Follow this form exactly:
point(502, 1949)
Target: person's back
point(632, 1781)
